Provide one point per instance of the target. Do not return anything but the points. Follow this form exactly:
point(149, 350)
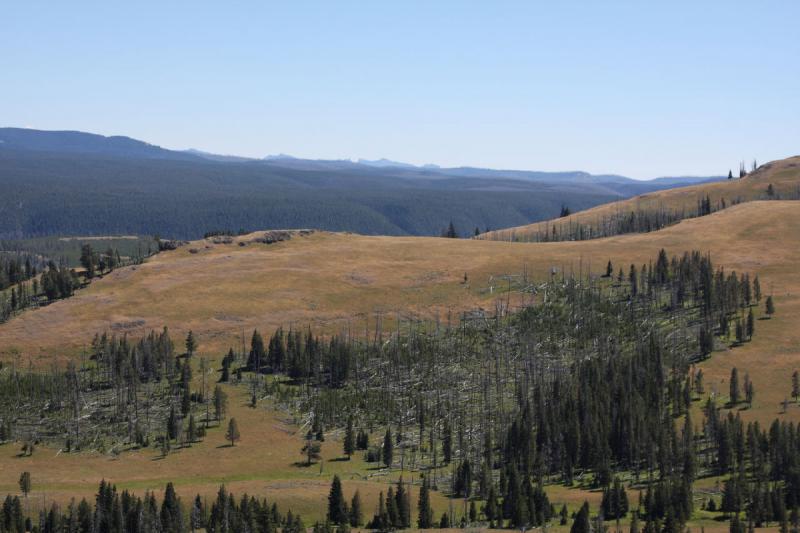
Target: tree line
point(115, 511)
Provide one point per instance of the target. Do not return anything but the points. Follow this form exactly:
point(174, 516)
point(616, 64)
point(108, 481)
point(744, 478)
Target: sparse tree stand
point(233, 432)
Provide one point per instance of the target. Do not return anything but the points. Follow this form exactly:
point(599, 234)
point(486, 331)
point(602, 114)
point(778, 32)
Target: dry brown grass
point(331, 280)
point(327, 279)
point(784, 175)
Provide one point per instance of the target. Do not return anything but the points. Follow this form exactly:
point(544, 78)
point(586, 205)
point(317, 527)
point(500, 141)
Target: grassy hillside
point(783, 175)
point(334, 280)
point(221, 291)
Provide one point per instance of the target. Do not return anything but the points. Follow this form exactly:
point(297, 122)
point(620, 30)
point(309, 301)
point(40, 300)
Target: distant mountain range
point(70, 182)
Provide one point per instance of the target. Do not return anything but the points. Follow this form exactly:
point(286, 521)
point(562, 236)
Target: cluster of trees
point(17, 267)
point(115, 511)
point(634, 221)
point(27, 280)
point(56, 282)
point(95, 262)
point(586, 378)
point(135, 393)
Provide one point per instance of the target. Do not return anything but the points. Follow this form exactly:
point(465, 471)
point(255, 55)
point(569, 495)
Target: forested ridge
point(71, 183)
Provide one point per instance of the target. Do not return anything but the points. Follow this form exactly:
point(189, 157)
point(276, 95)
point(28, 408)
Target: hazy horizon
point(642, 91)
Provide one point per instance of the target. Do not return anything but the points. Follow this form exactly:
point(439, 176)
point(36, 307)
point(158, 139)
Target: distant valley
point(75, 183)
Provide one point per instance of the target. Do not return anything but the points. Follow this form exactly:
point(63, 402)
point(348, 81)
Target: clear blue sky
point(638, 88)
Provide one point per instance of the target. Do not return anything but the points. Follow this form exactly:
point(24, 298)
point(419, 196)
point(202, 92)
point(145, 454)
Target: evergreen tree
point(233, 432)
point(337, 508)
point(581, 523)
point(191, 344)
point(734, 386)
point(388, 448)
point(349, 443)
point(356, 511)
point(25, 483)
point(425, 512)
point(403, 502)
point(191, 433)
point(770, 306)
point(220, 403)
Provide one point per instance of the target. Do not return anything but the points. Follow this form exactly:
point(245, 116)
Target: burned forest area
point(591, 384)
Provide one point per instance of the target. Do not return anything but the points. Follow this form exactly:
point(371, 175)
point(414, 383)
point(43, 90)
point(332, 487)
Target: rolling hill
point(221, 291)
point(330, 280)
point(783, 176)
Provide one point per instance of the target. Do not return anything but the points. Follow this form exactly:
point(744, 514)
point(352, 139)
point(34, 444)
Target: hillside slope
point(783, 175)
point(329, 280)
point(332, 280)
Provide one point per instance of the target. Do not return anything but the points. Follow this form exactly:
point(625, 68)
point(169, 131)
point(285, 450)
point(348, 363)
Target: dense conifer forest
point(72, 183)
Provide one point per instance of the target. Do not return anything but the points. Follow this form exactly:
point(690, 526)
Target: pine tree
point(171, 512)
point(233, 432)
point(425, 512)
point(403, 501)
point(25, 483)
point(734, 386)
point(581, 523)
point(191, 344)
point(388, 448)
point(447, 443)
point(609, 269)
point(336, 505)
point(192, 431)
point(356, 511)
point(349, 444)
point(172, 424)
point(770, 306)
point(220, 403)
